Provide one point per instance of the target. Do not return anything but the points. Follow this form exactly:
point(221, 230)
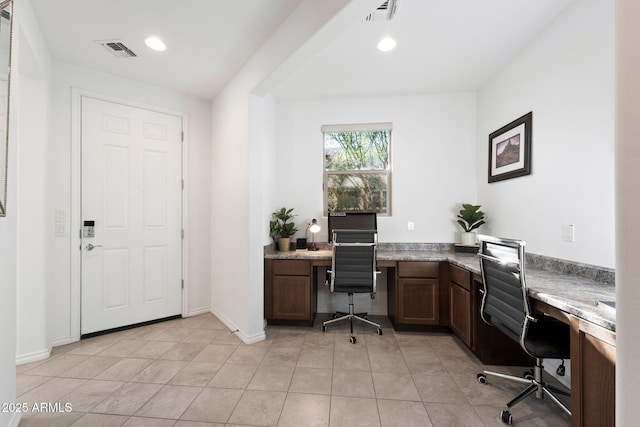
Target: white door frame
point(76, 181)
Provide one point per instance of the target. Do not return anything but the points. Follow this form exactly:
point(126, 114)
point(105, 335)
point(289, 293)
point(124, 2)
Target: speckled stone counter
point(571, 293)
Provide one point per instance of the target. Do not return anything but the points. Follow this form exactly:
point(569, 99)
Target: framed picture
point(510, 150)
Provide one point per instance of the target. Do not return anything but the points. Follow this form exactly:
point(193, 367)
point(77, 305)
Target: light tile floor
point(194, 372)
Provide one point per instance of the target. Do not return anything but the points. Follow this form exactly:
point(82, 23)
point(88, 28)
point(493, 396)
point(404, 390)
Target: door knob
point(91, 247)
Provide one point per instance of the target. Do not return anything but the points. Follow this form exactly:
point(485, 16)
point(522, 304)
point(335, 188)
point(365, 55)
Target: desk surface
point(572, 294)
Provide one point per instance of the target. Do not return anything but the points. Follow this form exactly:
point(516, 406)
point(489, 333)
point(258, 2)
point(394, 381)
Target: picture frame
point(510, 150)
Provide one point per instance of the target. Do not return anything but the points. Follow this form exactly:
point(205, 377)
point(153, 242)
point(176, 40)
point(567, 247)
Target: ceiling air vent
point(384, 12)
point(117, 48)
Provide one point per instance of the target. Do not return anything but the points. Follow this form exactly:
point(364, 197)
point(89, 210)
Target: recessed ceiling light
point(386, 44)
point(155, 44)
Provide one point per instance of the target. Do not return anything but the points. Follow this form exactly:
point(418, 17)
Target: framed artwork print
point(510, 150)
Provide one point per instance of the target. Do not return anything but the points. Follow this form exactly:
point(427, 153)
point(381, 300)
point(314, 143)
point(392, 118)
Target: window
point(357, 168)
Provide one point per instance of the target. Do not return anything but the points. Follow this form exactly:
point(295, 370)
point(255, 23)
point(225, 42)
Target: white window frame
point(358, 127)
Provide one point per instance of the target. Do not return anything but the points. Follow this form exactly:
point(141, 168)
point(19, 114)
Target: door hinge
point(182, 184)
point(182, 283)
point(182, 136)
point(182, 233)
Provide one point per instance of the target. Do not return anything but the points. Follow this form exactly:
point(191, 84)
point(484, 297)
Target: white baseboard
point(62, 341)
point(197, 311)
point(35, 356)
point(14, 421)
point(247, 339)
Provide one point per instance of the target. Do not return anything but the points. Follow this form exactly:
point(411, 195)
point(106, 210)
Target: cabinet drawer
point(460, 276)
point(428, 269)
point(291, 267)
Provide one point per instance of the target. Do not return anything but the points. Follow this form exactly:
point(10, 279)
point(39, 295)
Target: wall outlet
point(411, 226)
point(568, 233)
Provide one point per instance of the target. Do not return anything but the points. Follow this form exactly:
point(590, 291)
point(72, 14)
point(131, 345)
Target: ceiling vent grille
point(117, 48)
point(385, 12)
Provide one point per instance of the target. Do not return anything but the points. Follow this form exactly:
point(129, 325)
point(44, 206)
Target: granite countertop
point(570, 293)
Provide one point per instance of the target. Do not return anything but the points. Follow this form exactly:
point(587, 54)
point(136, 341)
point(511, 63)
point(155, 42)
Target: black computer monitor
point(351, 221)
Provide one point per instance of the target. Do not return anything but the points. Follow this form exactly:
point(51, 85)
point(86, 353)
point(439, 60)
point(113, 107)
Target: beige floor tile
point(192, 322)
point(146, 333)
point(351, 360)
point(51, 419)
point(425, 363)
point(124, 370)
point(215, 353)
point(482, 394)
point(181, 423)
point(403, 413)
point(159, 372)
point(309, 410)
point(153, 349)
point(283, 356)
point(395, 386)
point(100, 420)
point(55, 366)
point(319, 341)
point(196, 374)
point(247, 355)
point(290, 339)
point(233, 376)
point(311, 358)
point(200, 336)
point(490, 416)
point(226, 337)
point(147, 422)
point(183, 351)
point(52, 390)
point(259, 408)
point(170, 402)
point(446, 415)
point(90, 346)
point(311, 380)
point(388, 362)
point(91, 367)
point(352, 384)
point(213, 405)
point(274, 378)
point(212, 323)
point(127, 399)
point(25, 383)
point(173, 334)
point(122, 348)
point(461, 365)
point(438, 389)
point(354, 412)
point(91, 393)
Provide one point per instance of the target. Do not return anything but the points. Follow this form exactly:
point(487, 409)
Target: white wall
point(566, 77)
point(433, 160)
point(627, 204)
point(239, 228)
point(197, 138)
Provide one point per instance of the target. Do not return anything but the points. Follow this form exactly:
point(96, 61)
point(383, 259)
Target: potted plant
point(282, 228)
point(471, 217)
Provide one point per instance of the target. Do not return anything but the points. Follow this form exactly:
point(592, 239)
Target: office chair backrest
point(505, 303)
point(353, 268)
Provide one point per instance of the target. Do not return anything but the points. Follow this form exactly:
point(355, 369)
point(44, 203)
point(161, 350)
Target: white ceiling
point(443, 46)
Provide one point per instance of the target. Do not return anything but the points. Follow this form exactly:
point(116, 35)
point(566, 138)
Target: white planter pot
point(468, 238)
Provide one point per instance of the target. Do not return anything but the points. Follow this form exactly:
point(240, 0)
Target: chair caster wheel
point(335, 316)
point(324, 328)
point(365, 317)
point(506, 417)
point(379, 331)
point(482, 378)
point(352, 339)
point(528, 375)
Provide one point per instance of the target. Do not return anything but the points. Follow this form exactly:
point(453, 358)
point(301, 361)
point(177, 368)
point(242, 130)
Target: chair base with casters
point(350, 316)
point(536, 384)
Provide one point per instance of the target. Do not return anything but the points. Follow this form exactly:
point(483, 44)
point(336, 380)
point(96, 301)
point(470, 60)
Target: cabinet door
point(292, 298)
point(460, 312)
point(418, 301)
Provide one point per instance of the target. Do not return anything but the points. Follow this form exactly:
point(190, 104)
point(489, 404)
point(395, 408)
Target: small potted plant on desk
point(471, 217)
point(282, 228)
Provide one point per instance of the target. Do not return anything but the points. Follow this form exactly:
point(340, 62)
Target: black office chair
point(505, 305)
point(353, 270)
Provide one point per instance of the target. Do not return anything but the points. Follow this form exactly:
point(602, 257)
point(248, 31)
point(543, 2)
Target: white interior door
point(132, 191)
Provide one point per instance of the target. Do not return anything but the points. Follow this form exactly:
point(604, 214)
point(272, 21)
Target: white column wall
point(627, 205)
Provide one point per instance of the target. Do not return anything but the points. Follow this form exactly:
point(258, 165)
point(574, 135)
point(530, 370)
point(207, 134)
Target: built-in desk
point(290, 298)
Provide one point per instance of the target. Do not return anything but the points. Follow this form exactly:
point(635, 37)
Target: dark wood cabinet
point(290, 296)
point(460, 303)
point(593, 375)
point(417, 293)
